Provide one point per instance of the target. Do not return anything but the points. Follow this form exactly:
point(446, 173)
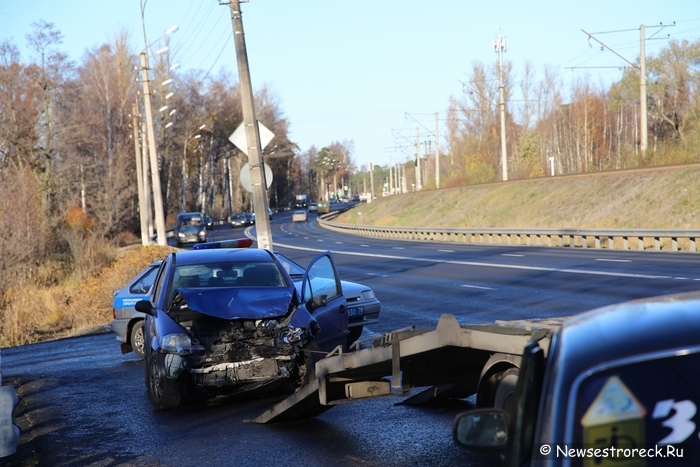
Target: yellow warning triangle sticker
point(614, 403)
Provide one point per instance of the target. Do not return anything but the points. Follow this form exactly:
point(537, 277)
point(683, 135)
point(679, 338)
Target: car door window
point(323, 280)
point(158, 284)
point(144, 283)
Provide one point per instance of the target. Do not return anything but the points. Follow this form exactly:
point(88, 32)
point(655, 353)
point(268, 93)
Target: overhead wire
point(188, 40)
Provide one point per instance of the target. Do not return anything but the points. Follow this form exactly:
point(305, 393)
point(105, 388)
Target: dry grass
point(35, 313)
point(657, 199)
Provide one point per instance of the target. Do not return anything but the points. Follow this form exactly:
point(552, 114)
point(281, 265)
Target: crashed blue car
point(225, 321)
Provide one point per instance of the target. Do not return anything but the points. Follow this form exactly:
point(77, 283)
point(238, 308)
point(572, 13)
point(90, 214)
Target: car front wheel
point(354, 334)
point(137, 340)
point(164, 393)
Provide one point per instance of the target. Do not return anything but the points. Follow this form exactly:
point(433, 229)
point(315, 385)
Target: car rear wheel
point(164, 393)
point(137, 340)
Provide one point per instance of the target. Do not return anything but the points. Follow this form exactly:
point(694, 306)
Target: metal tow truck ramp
point(448, 360)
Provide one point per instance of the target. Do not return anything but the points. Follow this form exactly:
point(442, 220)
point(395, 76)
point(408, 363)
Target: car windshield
point(187, 221)
point(228, 274)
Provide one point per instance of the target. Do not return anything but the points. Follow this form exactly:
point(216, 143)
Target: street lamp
point(155, 173)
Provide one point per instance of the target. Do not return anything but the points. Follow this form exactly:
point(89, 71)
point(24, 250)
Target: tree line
point(71, 135)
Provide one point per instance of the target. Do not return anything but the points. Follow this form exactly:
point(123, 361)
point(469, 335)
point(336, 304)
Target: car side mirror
point(482, 429)
point(145, 307)
point(318, 302)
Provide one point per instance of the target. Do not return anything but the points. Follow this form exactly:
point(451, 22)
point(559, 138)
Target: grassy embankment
point(34, 313)
point(657, 199)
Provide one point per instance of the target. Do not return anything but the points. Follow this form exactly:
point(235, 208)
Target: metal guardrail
point(619, 239)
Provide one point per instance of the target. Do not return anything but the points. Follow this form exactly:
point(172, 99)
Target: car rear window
point(642, 404)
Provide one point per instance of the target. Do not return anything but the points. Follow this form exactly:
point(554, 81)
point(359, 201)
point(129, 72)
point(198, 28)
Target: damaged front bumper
point(236, 363)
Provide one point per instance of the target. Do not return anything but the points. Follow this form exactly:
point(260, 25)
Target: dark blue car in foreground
point(223, 321)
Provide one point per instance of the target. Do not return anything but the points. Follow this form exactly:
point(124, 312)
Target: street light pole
point(155, 173)
point(143, 206)
point(499, 46)
point(257, 172)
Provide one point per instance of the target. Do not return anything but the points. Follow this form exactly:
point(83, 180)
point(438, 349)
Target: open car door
point(323, 297)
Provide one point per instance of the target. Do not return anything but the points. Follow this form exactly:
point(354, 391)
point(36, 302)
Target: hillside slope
point(665, 197)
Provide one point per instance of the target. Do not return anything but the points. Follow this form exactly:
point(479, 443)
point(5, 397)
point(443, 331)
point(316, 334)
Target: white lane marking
point(447, 251)
point(682, 278)
point(487, 265)
point(508, 254)
point(320, 240)
point(477, 287)
point(339, 243)
point(378, 275)
point(399, 248)
point(365, 246)
point(614, 260)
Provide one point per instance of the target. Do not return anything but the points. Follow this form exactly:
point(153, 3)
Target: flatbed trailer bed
point(451, 361)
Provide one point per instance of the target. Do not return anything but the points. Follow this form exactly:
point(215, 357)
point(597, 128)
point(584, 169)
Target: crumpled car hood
point(239, 303)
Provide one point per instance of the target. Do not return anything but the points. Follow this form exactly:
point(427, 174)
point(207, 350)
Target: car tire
point(137, 340)
point(354, 334)
point(311, 356)
point(163, 393)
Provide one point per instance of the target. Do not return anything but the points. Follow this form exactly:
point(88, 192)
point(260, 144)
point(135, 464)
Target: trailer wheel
point(505, 397)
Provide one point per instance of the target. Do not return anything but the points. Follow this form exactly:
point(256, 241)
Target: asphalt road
point(85, 404)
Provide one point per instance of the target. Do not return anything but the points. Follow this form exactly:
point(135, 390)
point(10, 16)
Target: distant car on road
point(239, 220)
point(208, 222)
point(127, 323)
point(189, 228)
point(324, 207)
point(299, 216)
point(313, 207)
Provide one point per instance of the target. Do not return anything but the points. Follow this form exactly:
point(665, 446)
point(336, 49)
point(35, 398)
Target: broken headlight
point(178, 343)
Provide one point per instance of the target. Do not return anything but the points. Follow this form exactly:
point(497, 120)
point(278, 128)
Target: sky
point(368, 72)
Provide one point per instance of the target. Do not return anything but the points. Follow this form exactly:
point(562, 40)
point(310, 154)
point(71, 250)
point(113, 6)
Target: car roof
point(222, 254)
point(189, 214)
point(628, 329)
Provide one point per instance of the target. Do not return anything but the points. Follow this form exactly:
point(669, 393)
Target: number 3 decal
point(681, 424)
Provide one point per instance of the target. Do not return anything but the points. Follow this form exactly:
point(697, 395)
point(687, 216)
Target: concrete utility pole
point(644, 129)
point(419, 184)
point(257, 172)
point(499, 46)
point(146, 181)
point(155, 174)
point(437, 153)
point(371, 181)
point(643, 92)
point(143, 207)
